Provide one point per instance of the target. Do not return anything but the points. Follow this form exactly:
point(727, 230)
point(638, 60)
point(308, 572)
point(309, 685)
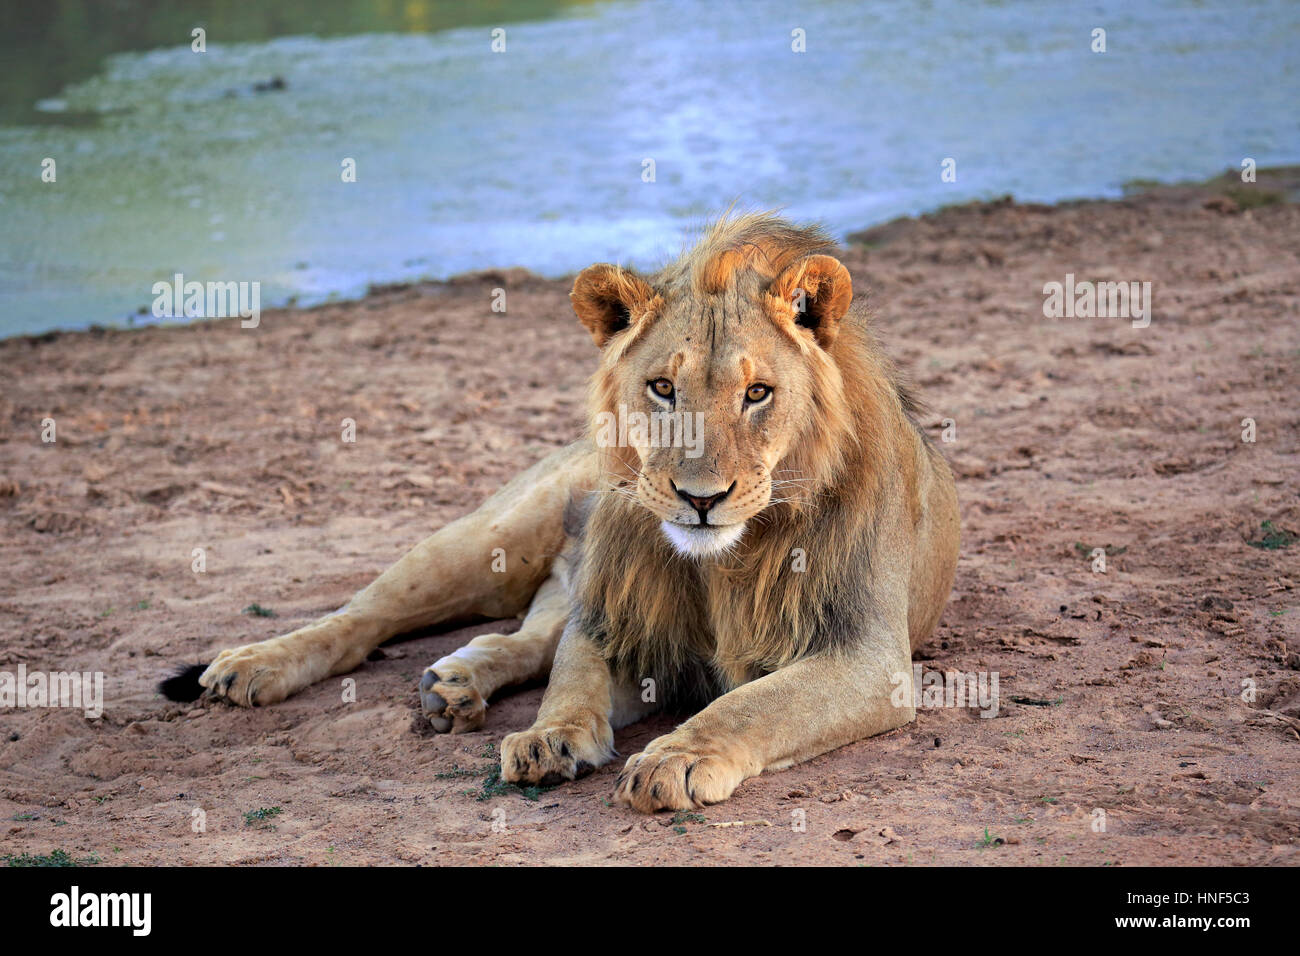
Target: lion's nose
point(702, 502)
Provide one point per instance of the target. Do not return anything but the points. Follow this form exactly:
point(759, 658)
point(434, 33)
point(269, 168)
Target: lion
point(771, 576)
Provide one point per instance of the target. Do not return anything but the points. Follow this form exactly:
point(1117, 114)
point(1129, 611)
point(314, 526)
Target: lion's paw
point(550, 753)
point(665, 776)
point(449, 699)
point(251, 676)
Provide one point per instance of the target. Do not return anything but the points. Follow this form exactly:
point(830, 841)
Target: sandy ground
point(1120, 692)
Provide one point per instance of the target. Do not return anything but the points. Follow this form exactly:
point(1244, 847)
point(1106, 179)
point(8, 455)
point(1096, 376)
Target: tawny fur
point(791, 639)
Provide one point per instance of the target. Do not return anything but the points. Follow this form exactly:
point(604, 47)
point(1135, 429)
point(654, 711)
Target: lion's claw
point(250, 676)
point(552, 753)
point(668, 777)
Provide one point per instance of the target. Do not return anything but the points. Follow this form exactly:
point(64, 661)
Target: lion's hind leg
point(452, 576)
point(454, 691)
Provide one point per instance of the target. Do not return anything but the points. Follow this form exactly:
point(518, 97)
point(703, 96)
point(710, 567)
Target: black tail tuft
point(184, 685)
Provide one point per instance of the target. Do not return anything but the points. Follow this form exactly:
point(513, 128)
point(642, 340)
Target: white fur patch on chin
point(700, 541)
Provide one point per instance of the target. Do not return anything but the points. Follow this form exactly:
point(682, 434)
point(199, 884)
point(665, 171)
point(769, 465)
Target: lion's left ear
point(817, 290)
point(608, 299)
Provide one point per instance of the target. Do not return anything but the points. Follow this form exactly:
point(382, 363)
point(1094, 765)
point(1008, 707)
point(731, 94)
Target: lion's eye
point(756, 393)
point(662, 387)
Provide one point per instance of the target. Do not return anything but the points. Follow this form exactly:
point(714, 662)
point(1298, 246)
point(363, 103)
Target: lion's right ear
point(608, 300)
point(818, 291)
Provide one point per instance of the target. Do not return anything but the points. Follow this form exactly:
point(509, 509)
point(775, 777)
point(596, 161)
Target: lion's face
point(731, 409)
point(710, 384)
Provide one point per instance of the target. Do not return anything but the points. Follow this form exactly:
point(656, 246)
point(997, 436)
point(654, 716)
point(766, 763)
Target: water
point(170, 161)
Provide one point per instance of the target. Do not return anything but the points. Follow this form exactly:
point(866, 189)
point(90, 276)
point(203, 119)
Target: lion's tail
point(183, 685)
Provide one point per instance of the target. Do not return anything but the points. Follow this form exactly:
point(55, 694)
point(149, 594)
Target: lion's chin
point(700, 541)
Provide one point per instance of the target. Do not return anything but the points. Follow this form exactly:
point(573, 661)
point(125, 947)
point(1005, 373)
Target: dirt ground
point(1121, 692)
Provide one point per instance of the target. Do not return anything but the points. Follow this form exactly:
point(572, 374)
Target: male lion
point(777, 571)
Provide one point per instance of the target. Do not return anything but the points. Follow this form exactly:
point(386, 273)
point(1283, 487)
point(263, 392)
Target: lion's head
point(720, 391)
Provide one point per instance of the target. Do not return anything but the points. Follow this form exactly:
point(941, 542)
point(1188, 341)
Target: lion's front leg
point(812, 706)
point(574, 730)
